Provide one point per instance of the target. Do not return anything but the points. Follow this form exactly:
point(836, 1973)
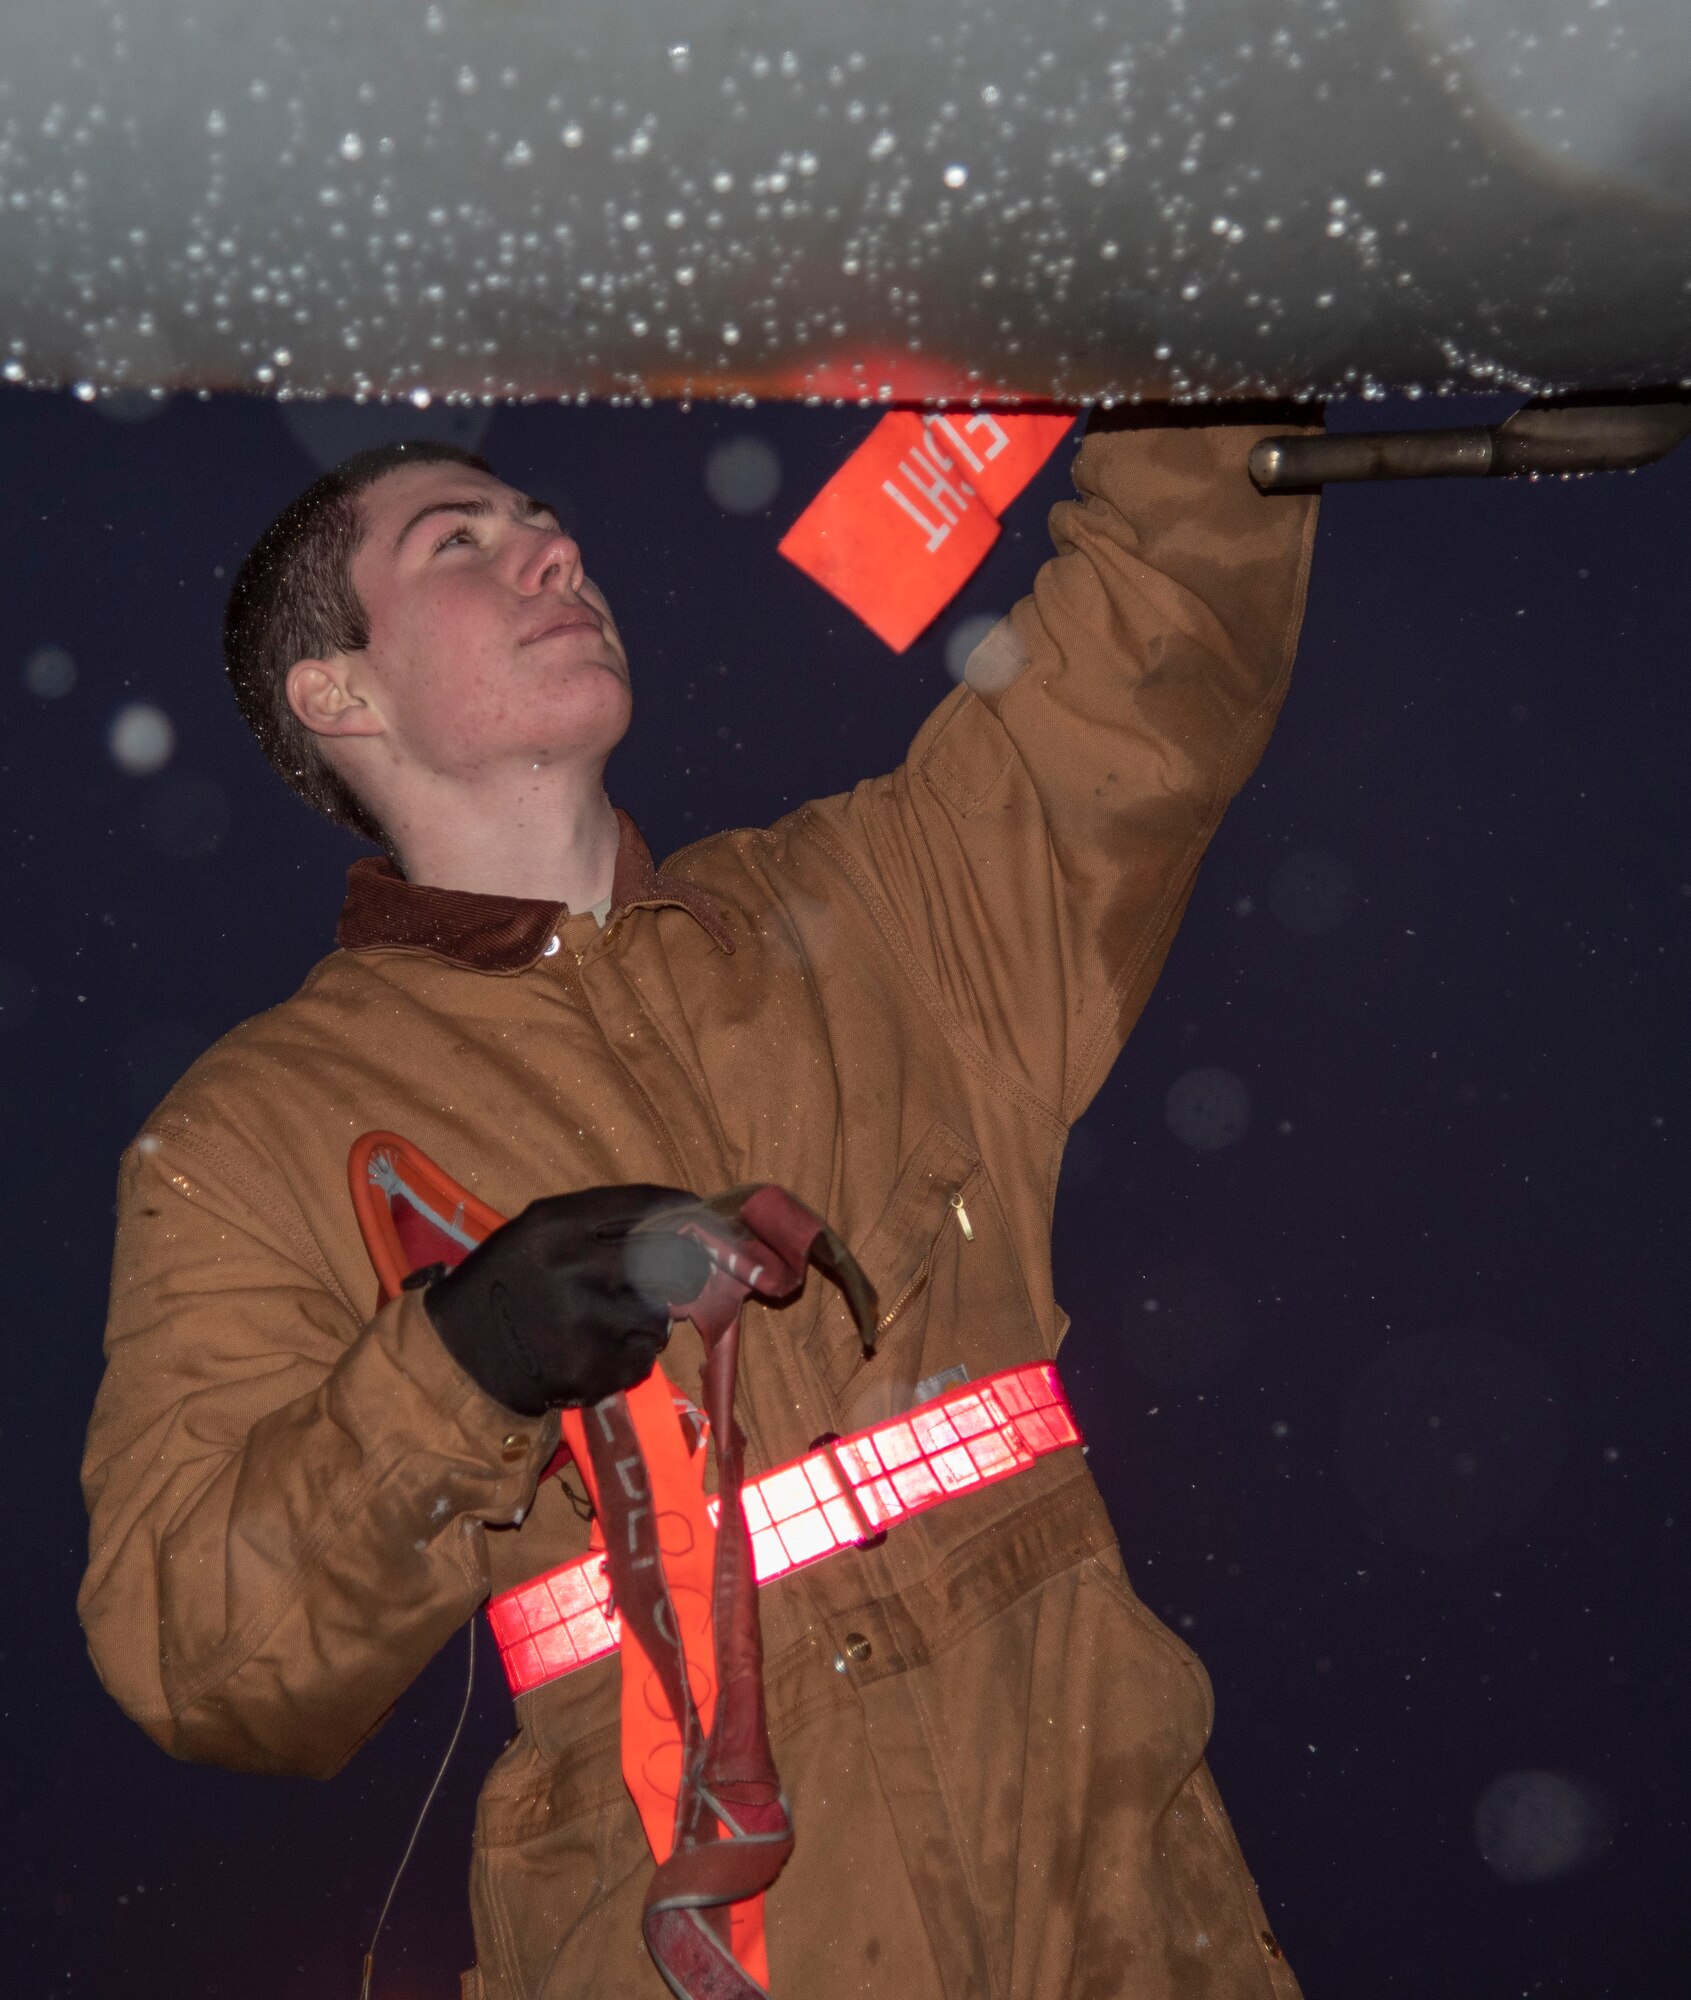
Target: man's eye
point(446, 540)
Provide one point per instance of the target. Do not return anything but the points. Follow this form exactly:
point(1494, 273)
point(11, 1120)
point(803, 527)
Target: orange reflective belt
point(703, 1920)
point(837, 1496)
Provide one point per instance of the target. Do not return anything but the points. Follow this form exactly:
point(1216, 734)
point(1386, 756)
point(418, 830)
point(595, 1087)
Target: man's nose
point(555, 558)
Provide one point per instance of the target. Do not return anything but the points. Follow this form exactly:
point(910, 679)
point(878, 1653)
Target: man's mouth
point(577, 619)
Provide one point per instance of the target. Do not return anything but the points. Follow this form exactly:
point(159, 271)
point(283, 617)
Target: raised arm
point(288, 1508)
point(1032, 856)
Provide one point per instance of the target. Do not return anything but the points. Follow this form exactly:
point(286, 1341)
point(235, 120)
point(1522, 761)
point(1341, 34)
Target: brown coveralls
point(899, 994)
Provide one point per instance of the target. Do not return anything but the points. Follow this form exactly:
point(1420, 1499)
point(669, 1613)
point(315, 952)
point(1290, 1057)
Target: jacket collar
point(383, 911)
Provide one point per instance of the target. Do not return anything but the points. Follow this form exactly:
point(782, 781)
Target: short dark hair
point(293, 599)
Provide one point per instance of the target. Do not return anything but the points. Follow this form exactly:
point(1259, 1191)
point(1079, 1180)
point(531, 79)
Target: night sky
point(1374, 1241)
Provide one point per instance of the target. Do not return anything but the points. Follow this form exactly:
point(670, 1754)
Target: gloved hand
point(562, 1306)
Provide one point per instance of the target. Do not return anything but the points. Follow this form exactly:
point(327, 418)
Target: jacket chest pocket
point(949, 1289)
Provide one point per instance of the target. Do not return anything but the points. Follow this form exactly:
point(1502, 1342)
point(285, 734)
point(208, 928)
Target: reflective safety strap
point(972, 1436)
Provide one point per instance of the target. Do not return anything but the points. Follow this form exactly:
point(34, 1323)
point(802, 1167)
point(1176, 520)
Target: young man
point(894, 1003)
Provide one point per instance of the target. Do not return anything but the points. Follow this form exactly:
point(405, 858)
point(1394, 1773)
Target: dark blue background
point(1461, 1195)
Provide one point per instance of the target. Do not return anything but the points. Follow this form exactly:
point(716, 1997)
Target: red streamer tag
point(905, 522)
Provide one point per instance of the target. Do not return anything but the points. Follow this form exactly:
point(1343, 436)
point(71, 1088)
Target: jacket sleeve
point(288, 1509)
point(1031, 858)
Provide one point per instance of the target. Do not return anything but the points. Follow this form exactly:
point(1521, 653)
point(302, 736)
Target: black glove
point(562, 1307)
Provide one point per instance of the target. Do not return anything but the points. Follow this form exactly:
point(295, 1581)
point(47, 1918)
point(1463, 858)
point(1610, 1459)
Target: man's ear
point(321, 695)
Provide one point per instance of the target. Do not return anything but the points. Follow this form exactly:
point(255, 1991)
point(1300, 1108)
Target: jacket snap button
point(857, 1648)
point(516, 1446)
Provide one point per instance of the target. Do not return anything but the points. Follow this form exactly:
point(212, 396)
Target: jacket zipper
point(920, 1278)
point(892, 1312)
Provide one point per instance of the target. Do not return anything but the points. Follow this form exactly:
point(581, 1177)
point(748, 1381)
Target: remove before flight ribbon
point(907, 520)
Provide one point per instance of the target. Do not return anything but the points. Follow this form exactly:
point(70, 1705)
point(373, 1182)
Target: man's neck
point(540, 845)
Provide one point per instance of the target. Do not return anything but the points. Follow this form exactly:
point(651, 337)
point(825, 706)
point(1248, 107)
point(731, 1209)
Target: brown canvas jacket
point(890, 998)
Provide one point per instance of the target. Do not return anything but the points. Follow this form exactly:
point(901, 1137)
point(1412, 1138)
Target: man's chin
point(585, 667)
point(598, 654)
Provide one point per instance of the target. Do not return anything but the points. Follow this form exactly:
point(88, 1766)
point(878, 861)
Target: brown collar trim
point(383, 911)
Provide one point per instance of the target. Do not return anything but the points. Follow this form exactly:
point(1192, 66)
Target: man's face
point(488, 645)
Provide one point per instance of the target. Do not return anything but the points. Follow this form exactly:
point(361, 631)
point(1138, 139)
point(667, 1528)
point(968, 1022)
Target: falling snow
point(948, 215)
